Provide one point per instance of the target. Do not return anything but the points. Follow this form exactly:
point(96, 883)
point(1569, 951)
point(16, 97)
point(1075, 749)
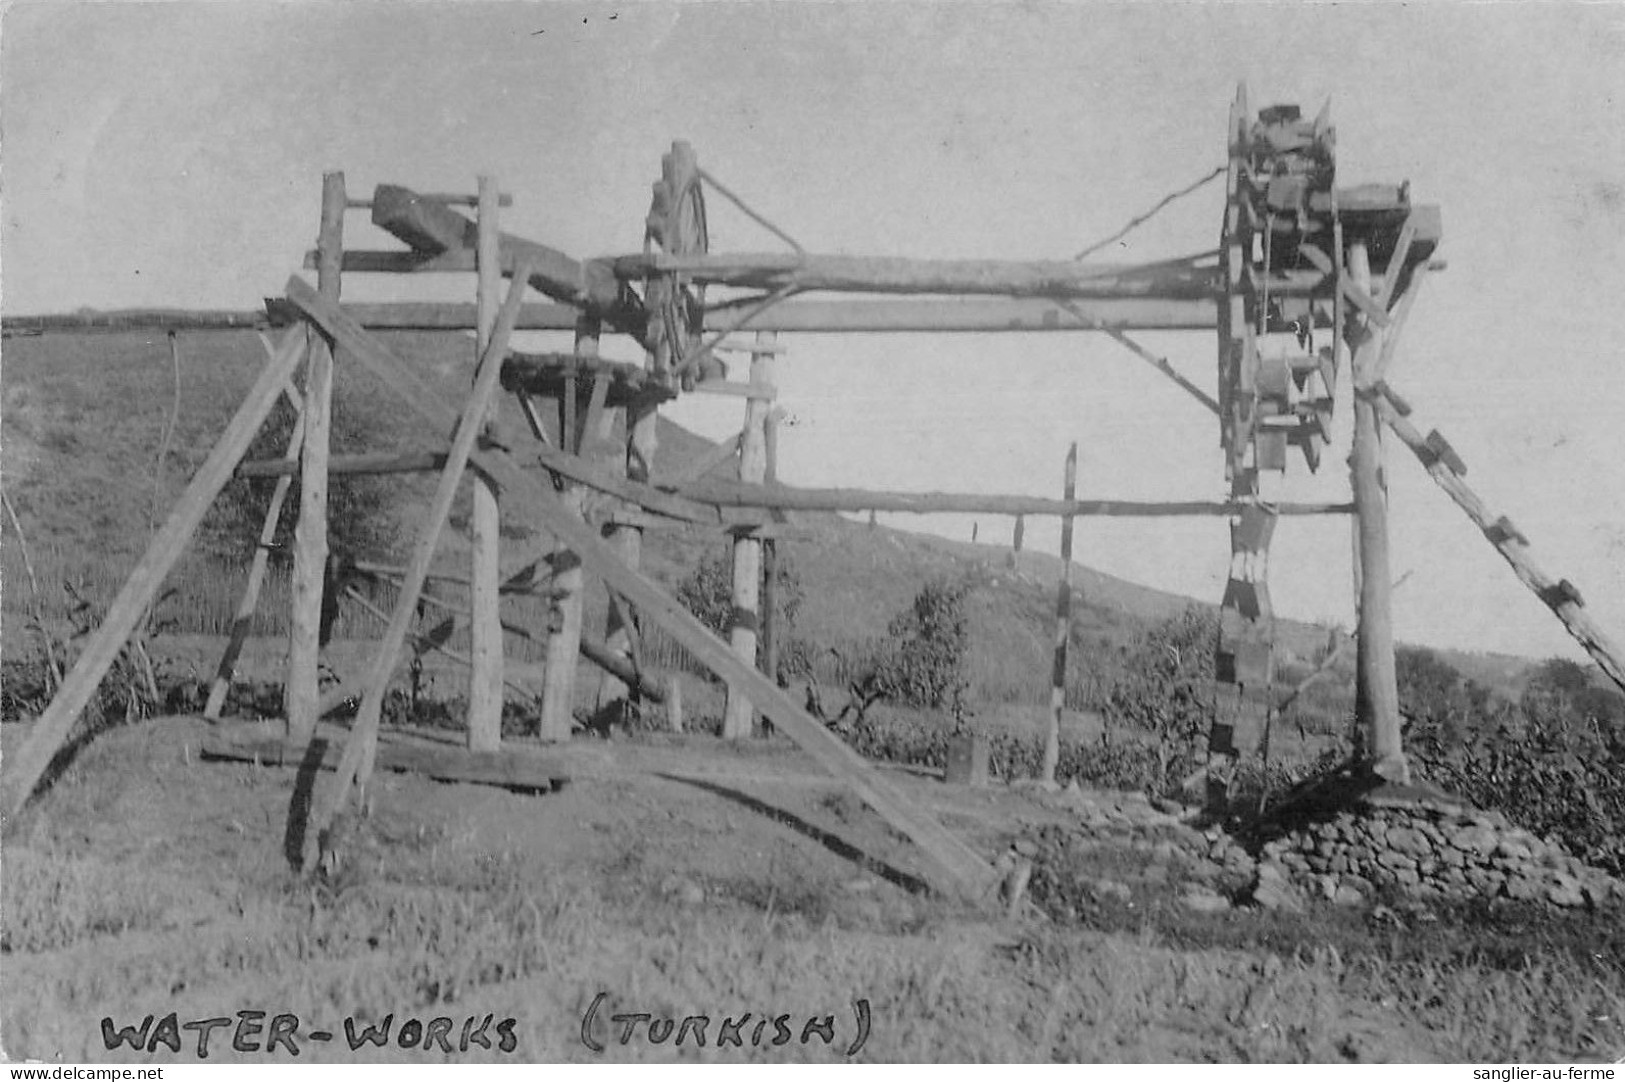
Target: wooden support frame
point(24, 769)
point(952, 865)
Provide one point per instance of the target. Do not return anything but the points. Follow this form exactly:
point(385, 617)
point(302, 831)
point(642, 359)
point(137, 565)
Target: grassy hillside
point(85, 417)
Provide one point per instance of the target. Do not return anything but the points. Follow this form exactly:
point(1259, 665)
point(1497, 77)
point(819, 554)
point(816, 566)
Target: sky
point(170, 154)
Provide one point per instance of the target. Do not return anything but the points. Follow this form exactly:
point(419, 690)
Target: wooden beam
point(518, 769)
point(25, 768)
point(783, 497)
point(953, 866)
point(1376, 691)
point(1063, 630)
point(300, 693)
point(384, 462)
point(485, 520)
point(356, 764)
point(896, 316)
point(433, 227)
point(134, 319)
point(1172, 279)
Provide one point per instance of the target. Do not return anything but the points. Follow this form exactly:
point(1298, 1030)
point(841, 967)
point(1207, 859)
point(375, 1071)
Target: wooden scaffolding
point(1308, 290)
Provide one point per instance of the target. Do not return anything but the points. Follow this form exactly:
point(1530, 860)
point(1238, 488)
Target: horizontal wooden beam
point(959, 277)
point(383, 462)
point(520, 769)
point(433, 315)
point(785, 498)
point(135, 319)
point(953, 866)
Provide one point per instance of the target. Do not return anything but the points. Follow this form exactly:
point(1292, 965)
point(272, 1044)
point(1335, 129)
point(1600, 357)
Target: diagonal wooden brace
point(24, 769)
point(952, 865)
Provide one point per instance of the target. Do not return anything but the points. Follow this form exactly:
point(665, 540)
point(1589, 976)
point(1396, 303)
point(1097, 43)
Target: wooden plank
point(430, 226)
point(1579, 624)
point(28, 764)
point(738, 714)
point(485, 521)
point(1170, 279)
point(518, 770)
point(358, 752)
point(953, 866)
point(1063, 630)
point(244, 616)
point(1376, 692)
point(300, 693)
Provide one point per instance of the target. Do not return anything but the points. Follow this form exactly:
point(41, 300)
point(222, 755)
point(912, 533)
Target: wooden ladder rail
point(1446, 469)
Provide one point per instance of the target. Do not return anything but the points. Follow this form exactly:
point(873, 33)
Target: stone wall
point(1430, 850)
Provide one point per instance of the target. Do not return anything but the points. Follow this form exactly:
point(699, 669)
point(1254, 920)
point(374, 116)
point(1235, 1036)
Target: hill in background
point(85, 416)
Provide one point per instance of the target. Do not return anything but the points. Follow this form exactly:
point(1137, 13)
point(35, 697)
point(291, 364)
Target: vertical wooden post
point(1376, 691)
point(485, 625)
point(564, 629)
point(642, 442)
point(770, 561)
point(1063, 629)
point(300, 692)
point(747, 550)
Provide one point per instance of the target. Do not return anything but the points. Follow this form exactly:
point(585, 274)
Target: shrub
point(708, 594)
point(1165, 690)
point(1554, 763)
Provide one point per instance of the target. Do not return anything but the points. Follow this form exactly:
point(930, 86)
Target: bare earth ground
point(680, 877)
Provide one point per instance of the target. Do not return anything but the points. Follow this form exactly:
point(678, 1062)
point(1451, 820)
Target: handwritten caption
point(771, 1030)
point(283, 1034)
